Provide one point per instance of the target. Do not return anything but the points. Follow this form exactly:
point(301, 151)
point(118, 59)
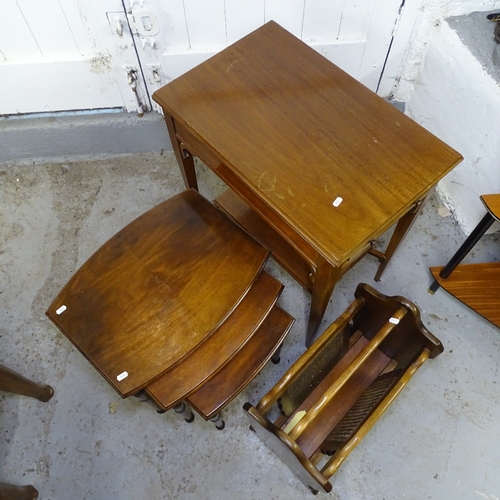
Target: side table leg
point(467, 246)
point(10, 381)
point(277, 355)
point(325, 280)
point(403, 226)
point(185, 161)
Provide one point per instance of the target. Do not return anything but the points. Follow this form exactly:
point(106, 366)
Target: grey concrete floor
point(438, 441)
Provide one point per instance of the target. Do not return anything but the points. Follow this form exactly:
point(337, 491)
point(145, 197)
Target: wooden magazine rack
point(331, 397)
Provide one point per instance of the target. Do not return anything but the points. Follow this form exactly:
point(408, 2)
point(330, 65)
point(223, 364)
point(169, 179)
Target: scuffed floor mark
point(489, 496)
point(436, 317)
point(443, 212)
point(228, 70)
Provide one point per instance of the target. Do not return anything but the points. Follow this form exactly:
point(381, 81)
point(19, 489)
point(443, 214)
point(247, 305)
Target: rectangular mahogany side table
point(318, 165)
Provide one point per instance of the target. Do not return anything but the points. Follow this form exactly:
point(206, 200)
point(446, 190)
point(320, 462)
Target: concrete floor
point(439, 441)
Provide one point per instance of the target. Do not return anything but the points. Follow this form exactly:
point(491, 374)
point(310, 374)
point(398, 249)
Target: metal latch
point(132, 78)
point(144, 23)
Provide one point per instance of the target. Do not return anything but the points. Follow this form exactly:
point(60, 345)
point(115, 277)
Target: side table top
point(157, 289)
point(300, 133)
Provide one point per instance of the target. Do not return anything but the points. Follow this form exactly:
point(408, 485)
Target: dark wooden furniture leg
point(184, 410)
point(218, 421)
point(10, 381)
point(403, 226)
point(276, 357)
point(183, 156)
point(467, 246)
point(11, 492)
point(325, 280)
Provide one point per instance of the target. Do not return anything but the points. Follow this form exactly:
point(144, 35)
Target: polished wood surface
point(334, 463)
point(477, 286)
point(301, 265)
point(210, 356)
point(290, 133)
point(492, 204)
point(313, 435)
point(368, 364)
point(157, 289)
point(300, 132)
point(235, 375)
point(379, 342)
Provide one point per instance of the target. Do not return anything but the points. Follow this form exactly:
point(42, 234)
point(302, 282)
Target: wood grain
point(157, 289)
point(300, 132)
point(289, 132)
point(298, 263)
point(244, 367)
point(492, 204)
point(210, 356)
point(477, 286)
point(11, 381)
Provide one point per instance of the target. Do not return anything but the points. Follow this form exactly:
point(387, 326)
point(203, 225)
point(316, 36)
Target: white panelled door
point(64, 55)
point(354, 34)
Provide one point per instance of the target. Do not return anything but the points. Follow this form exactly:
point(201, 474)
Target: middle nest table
point(176, 300)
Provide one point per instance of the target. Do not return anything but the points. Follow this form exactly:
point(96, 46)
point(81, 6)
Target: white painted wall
point(431, 14)
point(448, 91)
point(61, 55)
point(354, 35)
